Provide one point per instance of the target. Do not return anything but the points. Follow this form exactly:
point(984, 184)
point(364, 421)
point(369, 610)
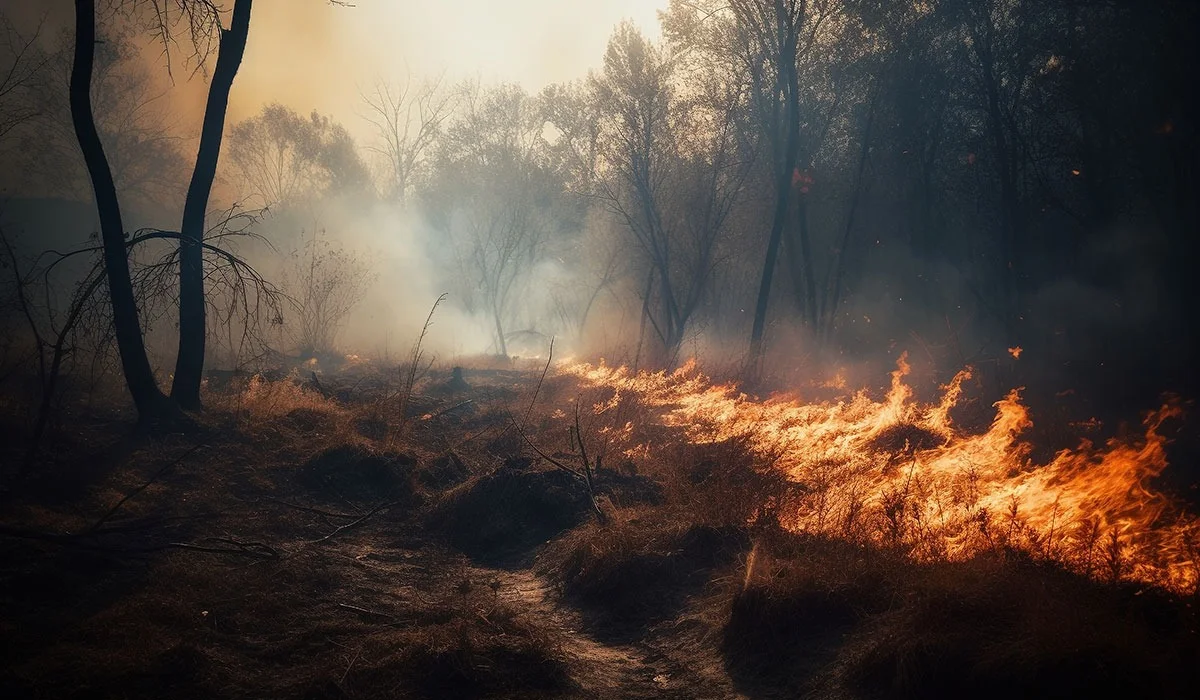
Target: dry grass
point(690, 578)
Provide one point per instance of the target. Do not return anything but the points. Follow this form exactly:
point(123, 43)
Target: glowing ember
point(1016, 352)
point(897, 472)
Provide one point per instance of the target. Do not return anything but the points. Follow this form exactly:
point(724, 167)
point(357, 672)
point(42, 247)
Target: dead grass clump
point(723, 483)
point(493, 656)
point(504, 515)
point(824, 617)
point(1015, 628)
point(261, 401)
point(626, 576)
point(628, 488)
point(799, 597)
point(356, 473)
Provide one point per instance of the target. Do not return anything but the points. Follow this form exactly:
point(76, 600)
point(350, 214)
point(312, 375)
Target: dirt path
point(602, 670)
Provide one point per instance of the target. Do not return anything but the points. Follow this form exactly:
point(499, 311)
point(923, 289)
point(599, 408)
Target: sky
point(309, 54)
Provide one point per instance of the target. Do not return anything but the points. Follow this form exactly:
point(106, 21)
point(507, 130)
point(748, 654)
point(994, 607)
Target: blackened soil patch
point(354, 473)
point(777, 639)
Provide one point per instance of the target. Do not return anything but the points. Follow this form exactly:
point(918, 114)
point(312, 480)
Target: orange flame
point(898, 472)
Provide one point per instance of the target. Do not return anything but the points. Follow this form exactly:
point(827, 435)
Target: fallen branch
point(154, 477)
point(309, 509)
point(342, 528)
point(444, 411)
point(538, 388)
point(249, 549)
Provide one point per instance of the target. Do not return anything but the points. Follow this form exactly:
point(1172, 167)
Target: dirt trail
point(602, 670)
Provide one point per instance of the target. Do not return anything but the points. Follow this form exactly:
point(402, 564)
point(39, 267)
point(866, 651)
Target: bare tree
point(671, 170)
point(325, 282)
point(407, 119)
point(22, 65)
point(139, 377)
point(284, 157)
point(189, 363)
point(495, 196)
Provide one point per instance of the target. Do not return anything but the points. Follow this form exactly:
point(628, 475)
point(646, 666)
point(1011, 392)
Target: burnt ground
point(300, 545)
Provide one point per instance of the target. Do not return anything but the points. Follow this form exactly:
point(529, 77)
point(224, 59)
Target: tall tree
point(774, 36)
point(407, 119)
point(189, 363)
point(136, 366)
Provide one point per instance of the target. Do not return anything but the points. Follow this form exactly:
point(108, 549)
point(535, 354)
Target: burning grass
point(854, 548)
point(897, 472)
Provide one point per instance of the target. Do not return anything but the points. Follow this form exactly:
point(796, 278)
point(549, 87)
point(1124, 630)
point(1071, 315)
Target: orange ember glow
point(1016, 352)
point(898, 472)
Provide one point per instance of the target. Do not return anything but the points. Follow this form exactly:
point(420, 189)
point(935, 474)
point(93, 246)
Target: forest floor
point(303, 542)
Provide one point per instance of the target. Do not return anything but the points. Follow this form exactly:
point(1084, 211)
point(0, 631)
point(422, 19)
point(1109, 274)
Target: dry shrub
point(993, 627)
point(356, 473)
point(633, 572)
point(500, 517)
point(284, 405)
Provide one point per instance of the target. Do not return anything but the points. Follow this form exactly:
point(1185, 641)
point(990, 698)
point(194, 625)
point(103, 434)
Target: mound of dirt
point(498, 518)
point(355, 473)
point(443, 472)
point(1025, 630)
point(490, 670)
point(628, 577)
point(778, 638)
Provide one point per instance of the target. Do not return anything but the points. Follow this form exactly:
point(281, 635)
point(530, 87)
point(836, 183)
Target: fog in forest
point(1000, 184)
point(599, 348)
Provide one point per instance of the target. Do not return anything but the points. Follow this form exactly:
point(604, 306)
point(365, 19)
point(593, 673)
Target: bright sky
point(310, 55)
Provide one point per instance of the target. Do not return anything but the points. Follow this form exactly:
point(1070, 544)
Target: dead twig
point(154, 477)
point(348, 526)
point(257, 550)
point(309, 509)
point(538, 388)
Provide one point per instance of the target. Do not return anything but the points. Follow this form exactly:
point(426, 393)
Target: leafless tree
point(671, 170)
point(284, 157)
point(407, 118)
point(22, 68)
point(496, 198)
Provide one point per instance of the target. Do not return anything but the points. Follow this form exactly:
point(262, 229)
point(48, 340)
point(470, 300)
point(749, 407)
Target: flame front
point(898, 472)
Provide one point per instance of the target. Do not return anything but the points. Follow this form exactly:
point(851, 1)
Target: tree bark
point(788, 85)
point(189, 363)
point(136, 366)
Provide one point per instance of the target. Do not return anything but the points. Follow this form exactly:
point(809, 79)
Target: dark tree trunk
point(189, 364)
point(833, 292)
point(789, 87)
point(134, 363)
point(804, 266)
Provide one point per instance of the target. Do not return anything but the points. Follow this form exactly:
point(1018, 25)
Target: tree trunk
point(833, 291)
point(189, 363)
point(147, 397)
point(783, 184)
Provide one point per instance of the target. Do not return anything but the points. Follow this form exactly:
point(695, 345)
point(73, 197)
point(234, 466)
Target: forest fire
point(898, 472)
